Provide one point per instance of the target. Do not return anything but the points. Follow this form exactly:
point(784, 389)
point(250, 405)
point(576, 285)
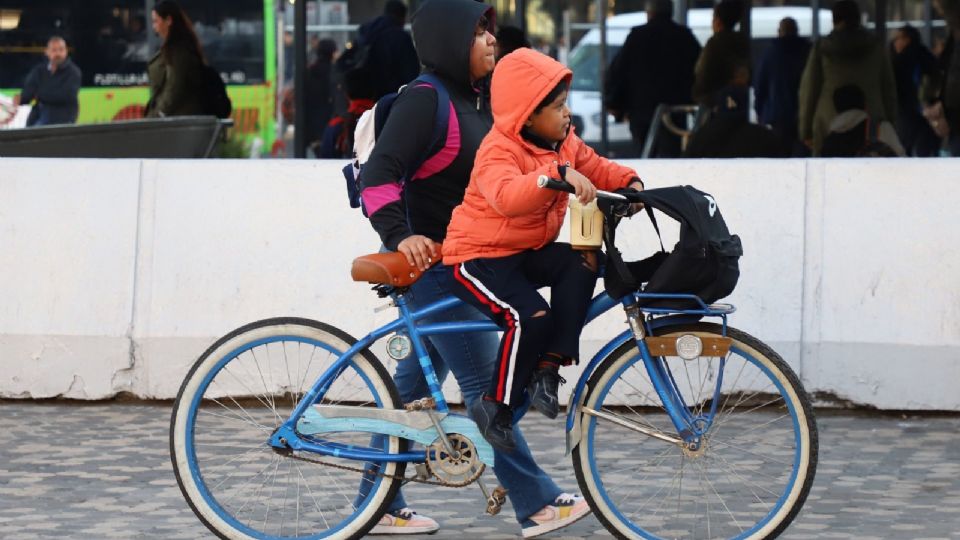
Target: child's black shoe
point(495, 422)
point(543, 390)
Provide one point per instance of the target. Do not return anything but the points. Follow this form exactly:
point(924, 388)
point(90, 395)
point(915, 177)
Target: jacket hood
point(520, 82)
point(443, 33)
point(849, 43)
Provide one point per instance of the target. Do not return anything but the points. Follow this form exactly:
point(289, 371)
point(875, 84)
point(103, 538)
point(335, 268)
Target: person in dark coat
point(777, 79)
point(176, 71)
point(914, 67)
point(950, 64)
point(392, 55)
point(728, 132)
point(725, 59)
point(320, 91)
point(654, 66)
point(850, 54)
point(53, 86)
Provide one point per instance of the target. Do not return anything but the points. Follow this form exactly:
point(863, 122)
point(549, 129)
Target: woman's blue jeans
point(471, 358)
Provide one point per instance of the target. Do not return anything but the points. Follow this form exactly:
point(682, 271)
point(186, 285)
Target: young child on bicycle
point(501, 240)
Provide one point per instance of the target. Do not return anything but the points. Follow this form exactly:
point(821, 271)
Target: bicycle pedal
point(496, 501)
point(421, 404)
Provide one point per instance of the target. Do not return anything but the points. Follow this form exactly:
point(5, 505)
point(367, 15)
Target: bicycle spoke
point(748, 483)
point(660, 457)
point(238, 419)
point(306, 371)
point(316, 504)
point(273, 484)
point(286, 365)
point(724, 503)
point(266, 391)
point(254, 394)
point(728, 417)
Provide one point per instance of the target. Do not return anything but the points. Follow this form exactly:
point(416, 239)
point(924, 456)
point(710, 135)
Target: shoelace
point(564, 498)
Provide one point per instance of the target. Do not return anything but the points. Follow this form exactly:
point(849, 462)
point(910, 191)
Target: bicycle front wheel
point(239, 391)
point(754, 466)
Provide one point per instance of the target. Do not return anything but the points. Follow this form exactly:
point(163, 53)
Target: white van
point(584, 60)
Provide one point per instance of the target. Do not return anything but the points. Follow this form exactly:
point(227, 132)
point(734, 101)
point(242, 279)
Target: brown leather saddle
point(386, 269)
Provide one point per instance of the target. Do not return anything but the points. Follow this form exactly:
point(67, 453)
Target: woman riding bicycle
point(455, 44)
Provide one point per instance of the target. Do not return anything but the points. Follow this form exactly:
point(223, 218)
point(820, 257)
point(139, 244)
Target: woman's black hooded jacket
point(443, 32)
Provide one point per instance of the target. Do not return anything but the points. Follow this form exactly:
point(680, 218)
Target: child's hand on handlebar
point(584, 188)
point(420, 251)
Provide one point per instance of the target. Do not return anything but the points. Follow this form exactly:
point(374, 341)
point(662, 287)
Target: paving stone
point(102, 470)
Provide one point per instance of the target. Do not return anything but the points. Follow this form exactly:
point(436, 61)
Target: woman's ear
point(528, 122)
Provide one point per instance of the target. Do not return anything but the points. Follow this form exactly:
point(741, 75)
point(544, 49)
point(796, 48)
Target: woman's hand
point(585, 190)
point(420, 251)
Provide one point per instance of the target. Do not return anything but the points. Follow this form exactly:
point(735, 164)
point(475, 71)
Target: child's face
point(553, 121)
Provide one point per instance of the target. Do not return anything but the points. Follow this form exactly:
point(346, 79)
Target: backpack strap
point(441, 117)
point(614, 257)
point(653, 220)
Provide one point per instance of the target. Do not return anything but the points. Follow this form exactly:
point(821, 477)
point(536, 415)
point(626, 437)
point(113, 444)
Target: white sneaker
point(405, 521)
point(566, 509)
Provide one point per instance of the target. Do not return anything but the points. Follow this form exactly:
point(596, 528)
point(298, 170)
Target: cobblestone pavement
point(102, 471)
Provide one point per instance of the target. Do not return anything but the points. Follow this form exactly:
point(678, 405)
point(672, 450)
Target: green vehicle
point(112, 40)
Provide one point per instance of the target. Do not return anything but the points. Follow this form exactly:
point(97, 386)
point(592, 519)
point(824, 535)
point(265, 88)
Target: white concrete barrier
point(116, 275)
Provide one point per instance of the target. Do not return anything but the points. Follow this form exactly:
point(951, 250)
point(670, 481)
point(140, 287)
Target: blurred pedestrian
point(509, 39)
point(776, 82)
point(725, 59)
point(654, 66)
point(176, 70)
point(320, 91)
point(850, 54)
point(854, 132)
point(728, 133)
point(949, 101)
point(52, 87)
point(337, 139)
point(391, 58)
point(915, 70)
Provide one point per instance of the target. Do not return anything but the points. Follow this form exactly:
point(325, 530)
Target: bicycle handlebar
point(552, 183)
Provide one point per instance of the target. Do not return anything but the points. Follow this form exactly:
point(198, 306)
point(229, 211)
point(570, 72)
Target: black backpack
point(216, 102)
point(704, 262)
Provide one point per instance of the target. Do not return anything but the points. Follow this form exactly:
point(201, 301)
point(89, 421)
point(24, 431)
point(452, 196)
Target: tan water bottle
point(586, 225)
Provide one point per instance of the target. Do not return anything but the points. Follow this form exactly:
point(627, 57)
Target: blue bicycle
point(678, 428)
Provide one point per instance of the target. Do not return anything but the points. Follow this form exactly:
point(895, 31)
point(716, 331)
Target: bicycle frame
point(688, 428)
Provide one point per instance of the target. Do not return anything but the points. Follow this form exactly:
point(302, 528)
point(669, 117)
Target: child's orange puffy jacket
point(504, 211)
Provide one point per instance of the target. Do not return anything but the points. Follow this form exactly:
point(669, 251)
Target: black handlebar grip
point(545, 181)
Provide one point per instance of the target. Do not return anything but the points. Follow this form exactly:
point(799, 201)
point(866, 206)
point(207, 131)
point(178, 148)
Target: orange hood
point(520, 82)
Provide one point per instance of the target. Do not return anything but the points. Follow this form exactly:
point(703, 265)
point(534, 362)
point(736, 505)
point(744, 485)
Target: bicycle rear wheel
point(753, 471)
point(239, 391)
